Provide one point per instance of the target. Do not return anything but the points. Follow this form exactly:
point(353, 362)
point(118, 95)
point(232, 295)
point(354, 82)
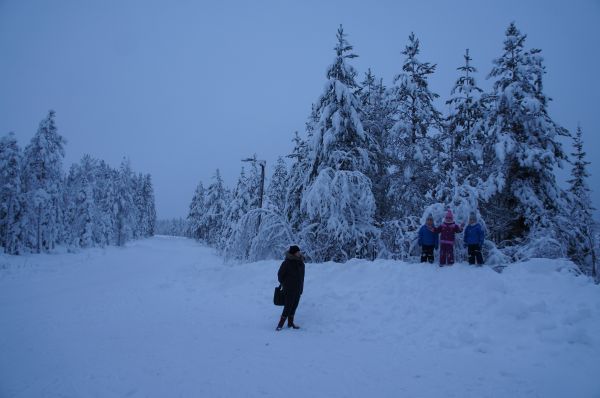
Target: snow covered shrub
point(540, 243)
point(340, 206)
point(399, 239)
point(493, 255)
point(260, 234)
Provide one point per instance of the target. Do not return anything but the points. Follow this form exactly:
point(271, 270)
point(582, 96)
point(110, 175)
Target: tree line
point(91, 205)
point(375, 160)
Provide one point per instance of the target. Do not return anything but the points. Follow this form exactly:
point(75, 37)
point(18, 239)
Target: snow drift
point(164, 317)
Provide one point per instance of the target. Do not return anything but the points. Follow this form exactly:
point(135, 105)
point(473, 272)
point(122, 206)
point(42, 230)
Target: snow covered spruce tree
point(276, 191)
point(196, 229)
point(125, 209)
point(377, 120)
point(582, 245)
point(105, 198)
point(81, 213)
point(524, 201)
point(412, 150)
point(147, 207)
point(338, 199)
point(243, 199)
point(42, 185)
point(215, 204)
point(143, 199)
point(460, 161)
point(412, 136)
point(11, 206)
point(463, 138)
point(297, 178)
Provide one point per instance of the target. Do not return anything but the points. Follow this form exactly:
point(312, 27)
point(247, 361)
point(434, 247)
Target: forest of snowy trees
point(92, 205)
point(374, 160)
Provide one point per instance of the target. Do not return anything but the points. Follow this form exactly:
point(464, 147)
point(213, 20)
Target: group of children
point(430, 237)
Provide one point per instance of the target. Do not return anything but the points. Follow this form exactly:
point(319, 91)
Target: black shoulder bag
point(278, 298)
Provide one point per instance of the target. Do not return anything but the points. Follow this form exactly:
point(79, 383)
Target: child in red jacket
point(447, 230)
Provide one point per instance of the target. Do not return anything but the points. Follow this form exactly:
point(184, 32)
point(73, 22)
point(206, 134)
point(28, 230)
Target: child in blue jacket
point(428, 240)
point(474, 238)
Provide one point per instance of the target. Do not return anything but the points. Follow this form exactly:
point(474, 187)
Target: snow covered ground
point(164, 317)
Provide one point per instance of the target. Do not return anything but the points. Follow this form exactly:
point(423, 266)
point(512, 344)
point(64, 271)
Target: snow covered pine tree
point(43, 185)
point(338, 199)
point(11, 198)
point(412, 151)
point(196, 229)
point(521, 153)
point(582, 244)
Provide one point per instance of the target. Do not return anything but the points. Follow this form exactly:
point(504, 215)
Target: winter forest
point(92, 205)
point(374, 160)
point(216, 186)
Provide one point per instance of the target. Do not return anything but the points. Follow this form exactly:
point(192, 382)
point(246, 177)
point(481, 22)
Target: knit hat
point(294, 249)
point(472, 216)
point(429, 217)
point(449, 215)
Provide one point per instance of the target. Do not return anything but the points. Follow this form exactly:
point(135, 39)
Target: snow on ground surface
point(163, 317)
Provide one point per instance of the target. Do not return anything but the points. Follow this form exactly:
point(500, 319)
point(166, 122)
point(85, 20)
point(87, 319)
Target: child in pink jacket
point(447, 230)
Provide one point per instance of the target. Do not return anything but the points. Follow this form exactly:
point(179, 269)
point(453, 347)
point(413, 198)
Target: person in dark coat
point(428, 240)
point(474, 238)
point(291, 278)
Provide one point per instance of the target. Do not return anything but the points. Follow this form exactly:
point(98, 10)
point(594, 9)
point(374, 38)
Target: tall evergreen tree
point(197, 229)
point(81, 215)
point(463, 137)
point(582, 245)
point(149, 207)
point(461, 161)
point(137, 181)
point(86, 215)
point(42, 178)
point(522, 148)
point(215, 205)
point(243, 199)
point(338, 199)
point(125, 215)
point(377, 120)
point(11, 206)
point(412, 141)
point(298, 176)
point(276, 192)
point(105, 197)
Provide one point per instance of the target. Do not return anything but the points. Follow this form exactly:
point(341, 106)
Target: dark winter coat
point(427, 237)
point(447, 232)
point(474, 234)
point(291, 274)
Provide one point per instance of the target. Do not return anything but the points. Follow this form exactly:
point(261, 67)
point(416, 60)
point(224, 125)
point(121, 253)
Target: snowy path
point(164, 317)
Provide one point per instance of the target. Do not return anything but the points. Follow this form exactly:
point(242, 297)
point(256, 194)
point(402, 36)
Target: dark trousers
point(427, 253)
point(291, 303)
point(475, 254)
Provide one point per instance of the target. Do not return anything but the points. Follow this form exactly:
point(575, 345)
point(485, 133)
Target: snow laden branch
point(341, 207)
point(260, 234)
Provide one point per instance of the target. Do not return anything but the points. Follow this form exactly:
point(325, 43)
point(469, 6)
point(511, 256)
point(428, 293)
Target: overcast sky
point(185, 87)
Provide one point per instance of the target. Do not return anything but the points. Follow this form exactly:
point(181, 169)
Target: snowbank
point(164, 317)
